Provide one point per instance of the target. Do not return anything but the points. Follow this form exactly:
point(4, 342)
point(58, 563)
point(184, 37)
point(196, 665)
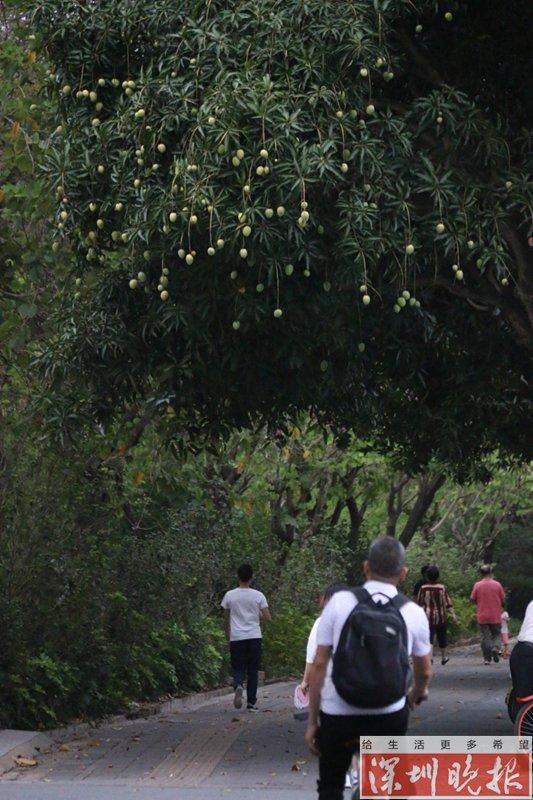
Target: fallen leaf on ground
point(25, 761)
point(64, 748)
point(295, 767)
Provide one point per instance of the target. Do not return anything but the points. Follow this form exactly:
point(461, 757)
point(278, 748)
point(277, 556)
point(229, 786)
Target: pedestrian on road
point(521, 661)
point(489, 596)
point(352, 775)
point(505, 634)
point(335, 725)
point(323, 600)
point(244, 608)
point(436, 602)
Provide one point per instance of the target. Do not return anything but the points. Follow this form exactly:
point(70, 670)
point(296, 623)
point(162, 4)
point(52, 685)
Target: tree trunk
point(427, 489)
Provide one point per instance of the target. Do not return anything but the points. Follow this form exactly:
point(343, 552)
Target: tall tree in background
point(296, 205)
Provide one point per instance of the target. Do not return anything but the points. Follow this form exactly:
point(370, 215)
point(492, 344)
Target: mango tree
point(297, 205)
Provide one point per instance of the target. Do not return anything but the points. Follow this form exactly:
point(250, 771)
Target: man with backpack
point(360, 683)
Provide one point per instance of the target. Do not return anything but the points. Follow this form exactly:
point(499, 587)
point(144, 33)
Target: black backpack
point(371, 662)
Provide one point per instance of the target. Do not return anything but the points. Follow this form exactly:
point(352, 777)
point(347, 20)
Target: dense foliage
point(113, 560)
point(361, 132)
point(289, 207)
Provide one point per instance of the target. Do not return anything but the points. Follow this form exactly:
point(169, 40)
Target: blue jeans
point(245, 660)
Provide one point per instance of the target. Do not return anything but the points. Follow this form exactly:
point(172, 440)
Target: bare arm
point(421, 678)
point(316, 681)
point(227, 623)
point(307, 672)
point(266, 615)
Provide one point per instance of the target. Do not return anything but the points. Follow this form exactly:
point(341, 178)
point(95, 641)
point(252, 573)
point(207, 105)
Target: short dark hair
point(433, 574)
point(332, 589)
point(424, 569)
point(245, 572)
point(386, 557)
point(485, 569)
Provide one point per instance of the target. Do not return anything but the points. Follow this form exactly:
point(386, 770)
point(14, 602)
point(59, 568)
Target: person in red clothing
point(488, 595)
point(436, 602)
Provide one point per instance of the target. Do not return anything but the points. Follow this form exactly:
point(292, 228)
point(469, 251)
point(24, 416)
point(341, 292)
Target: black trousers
point(441, 632)
point(338, 740)
point(521, 664)
point(245, 658)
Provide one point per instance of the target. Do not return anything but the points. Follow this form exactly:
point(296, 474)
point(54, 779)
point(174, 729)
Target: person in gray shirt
point(244, 608)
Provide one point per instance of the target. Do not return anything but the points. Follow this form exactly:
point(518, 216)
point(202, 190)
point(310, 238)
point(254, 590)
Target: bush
point(285, 640)
point(41, 696)
point(466, 625)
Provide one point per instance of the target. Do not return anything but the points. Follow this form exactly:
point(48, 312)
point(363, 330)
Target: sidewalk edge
point(31, 748)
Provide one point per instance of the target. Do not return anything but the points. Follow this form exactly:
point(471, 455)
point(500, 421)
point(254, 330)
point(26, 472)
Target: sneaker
point(495, 656)
point(486, 662)
point(444, 661)
point(237, 697)
point(251, 707)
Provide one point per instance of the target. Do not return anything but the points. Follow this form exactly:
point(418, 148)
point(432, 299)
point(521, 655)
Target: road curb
point(40, 740)
point(30, 747)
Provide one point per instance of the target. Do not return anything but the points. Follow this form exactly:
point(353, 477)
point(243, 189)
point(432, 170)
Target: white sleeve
point(263, 603)
point(324, 635)
point(225, 603)
point(311, 642)
point(420, 632)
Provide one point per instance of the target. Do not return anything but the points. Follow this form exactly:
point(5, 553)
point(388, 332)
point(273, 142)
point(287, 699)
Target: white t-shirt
point(244, 605)
point(311, 643)
point(332, 621)
point(526, 631)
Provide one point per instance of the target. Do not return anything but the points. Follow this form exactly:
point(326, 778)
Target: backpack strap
point(399, 600)
point(362, 595)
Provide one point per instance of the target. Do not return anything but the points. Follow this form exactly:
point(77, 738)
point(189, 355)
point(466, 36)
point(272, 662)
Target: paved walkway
point(214, 751)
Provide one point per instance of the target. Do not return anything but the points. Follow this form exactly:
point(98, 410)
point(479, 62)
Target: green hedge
point(285, 641)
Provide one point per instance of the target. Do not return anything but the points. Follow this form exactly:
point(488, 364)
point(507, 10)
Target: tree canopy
point(294, 206)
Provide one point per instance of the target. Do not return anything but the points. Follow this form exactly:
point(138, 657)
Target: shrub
point(284, 643)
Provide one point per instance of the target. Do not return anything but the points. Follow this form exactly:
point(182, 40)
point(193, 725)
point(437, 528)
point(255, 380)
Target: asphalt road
point(216, 752)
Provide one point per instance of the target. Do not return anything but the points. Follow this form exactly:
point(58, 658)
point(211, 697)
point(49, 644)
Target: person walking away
point(433, 597)
point(244, 609)
point(421, 581)
point(488, 595)
point(521, 660)
point(505, 633)
point(389, 620)
point(323, 600)
point(352, 775)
